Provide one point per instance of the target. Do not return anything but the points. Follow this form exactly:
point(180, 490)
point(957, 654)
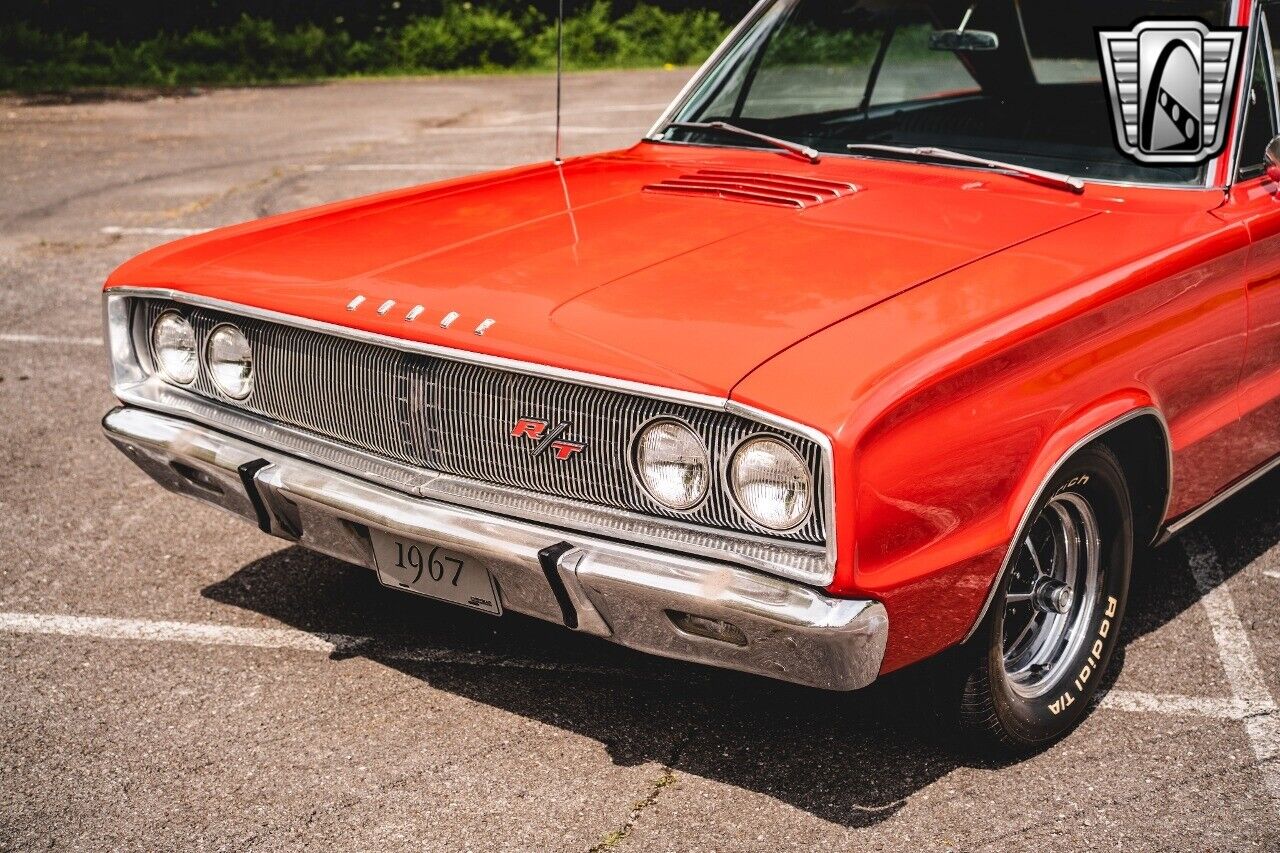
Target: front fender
point(950, 405)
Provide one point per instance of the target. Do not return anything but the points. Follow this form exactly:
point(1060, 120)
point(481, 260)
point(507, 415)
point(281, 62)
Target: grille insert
point(456, 418)
point(757, 187)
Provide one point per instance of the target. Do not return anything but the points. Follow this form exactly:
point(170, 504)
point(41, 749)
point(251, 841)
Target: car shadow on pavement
point(850, 759)
point(1238, 533)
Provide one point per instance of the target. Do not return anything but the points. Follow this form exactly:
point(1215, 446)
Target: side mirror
point(964, 41)
point(1272, 161)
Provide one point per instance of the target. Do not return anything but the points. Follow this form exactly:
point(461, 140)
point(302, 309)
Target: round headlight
point(771, 483)
point(230, 362)
point(173, 344)
point(672, 464)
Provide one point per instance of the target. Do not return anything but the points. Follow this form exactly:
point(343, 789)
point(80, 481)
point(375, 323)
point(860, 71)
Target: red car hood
point(581, 268)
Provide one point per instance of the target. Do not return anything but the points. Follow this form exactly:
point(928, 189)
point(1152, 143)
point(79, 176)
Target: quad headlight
point(173, 345)
point(672, 464)
point(230, 361)
point(771, 483)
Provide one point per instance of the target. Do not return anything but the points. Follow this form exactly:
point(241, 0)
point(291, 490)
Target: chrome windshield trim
point(1259, 38)
point(705, 69)
point(1230, 154)
point(132, 385)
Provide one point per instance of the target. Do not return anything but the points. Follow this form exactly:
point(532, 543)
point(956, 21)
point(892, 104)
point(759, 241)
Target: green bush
point(665, 37)
point(462, 37)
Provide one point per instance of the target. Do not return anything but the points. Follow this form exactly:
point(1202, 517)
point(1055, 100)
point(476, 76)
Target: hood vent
point(757, 188)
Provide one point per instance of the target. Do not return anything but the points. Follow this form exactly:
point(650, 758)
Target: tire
point(1034, 670)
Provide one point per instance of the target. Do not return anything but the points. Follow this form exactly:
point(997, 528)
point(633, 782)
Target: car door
point(1254, 199)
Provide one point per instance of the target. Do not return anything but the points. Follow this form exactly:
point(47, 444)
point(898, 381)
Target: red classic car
point(902, 329)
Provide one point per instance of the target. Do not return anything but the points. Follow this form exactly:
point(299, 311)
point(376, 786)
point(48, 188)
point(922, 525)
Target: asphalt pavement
point(172, 678)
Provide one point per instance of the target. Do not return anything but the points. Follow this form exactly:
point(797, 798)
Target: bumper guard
point(643, 598)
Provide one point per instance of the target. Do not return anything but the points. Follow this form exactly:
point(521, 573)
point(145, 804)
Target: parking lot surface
point(172, 678)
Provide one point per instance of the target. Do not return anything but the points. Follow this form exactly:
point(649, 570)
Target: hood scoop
point(756, 188)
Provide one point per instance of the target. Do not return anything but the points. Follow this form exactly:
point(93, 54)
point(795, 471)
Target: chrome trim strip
point(355, 303)
point(449, 319)
point(1244, 87)
point(484, 327)
point(620, 591)
point(1176, 526)
point(701, 74)
point(1044, 484)
point(385, 308)
point(414, 313)
point(131, 386)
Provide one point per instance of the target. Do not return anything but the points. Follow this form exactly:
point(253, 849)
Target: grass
point(463, 38)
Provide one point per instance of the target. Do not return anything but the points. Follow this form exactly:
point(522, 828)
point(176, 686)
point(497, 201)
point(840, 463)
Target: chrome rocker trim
point(625, 593)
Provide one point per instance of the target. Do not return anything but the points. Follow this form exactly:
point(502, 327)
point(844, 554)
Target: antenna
point(559, 74)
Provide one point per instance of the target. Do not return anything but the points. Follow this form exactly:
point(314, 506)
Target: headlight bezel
point(634, 463)
point(732, 487)
point(161, 368)
point(211, 366)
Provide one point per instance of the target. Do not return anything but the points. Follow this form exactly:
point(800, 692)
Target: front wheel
point(1053, 625)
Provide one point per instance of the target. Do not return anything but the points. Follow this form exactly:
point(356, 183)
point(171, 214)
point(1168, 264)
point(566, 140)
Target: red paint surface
point(954, 332)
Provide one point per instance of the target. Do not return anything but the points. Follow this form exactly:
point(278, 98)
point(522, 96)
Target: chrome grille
point(456, 418)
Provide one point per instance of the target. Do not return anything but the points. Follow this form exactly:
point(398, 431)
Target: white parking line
point(1174, 706)
point(1238, 660)
point(204, 634)
point(156, 232)
point(22, 338)
point(1275, 576)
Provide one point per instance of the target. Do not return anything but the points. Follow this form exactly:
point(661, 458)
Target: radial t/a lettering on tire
point(1053, 626)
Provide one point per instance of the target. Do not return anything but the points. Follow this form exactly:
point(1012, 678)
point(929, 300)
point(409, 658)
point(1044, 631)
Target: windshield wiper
point(802, 151)
point(1039, 176)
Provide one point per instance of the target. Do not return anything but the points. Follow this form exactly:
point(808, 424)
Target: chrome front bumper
point(643, 598)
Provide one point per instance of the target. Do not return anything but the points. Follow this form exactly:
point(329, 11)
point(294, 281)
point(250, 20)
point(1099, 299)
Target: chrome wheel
point(1052, 593)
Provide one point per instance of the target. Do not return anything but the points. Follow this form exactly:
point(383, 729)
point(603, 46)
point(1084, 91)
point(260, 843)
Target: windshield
point(829, 74)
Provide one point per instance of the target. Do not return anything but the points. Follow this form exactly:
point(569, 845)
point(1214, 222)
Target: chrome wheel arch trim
point(114, 299)
point(1027, 519)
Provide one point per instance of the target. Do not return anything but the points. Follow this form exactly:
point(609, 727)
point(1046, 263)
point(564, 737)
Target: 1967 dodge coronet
point(905, 326)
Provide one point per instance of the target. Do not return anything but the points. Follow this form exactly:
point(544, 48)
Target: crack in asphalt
point(48, 209)
point(612, 839)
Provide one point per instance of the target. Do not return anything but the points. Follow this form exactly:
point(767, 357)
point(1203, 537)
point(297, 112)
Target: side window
point(1260, 119)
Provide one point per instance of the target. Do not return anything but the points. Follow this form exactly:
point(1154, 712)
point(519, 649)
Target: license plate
point(434, 572)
